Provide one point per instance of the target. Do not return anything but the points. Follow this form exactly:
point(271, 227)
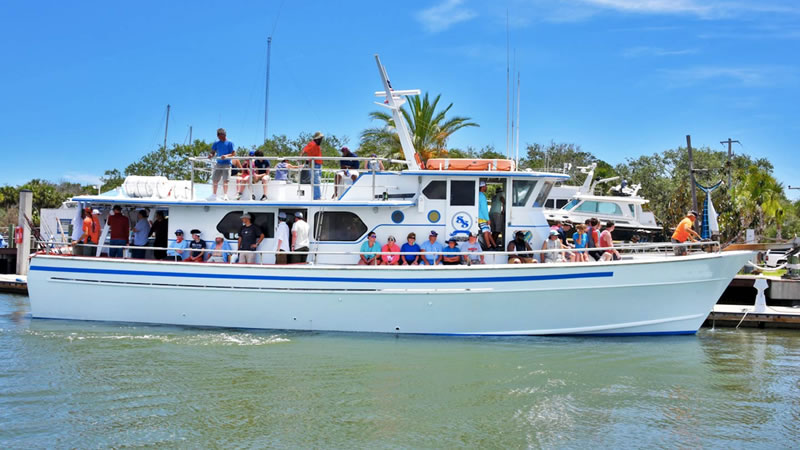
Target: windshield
point(571, 204)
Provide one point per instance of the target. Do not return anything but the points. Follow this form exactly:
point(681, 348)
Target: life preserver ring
point(18, 235)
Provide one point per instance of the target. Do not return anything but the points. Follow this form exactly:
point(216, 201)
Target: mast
point(394, 101)
point(166, 128)
point(516, 140)
point(266, 92)
point(508, 81)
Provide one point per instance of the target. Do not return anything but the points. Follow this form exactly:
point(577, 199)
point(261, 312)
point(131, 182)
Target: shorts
point(221, 172)
point(483, 226)
point(216, 259)
point(247, 257)
point(281, 257)
point(497, 222)
point(679, 250)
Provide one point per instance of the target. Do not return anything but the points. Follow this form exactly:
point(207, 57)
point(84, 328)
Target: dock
point(749, 316)
point(14, 284)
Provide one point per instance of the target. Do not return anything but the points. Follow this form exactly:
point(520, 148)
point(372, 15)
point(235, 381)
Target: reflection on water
point(84, 384)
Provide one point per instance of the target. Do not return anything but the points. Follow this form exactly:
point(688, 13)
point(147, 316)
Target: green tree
point(430, 129)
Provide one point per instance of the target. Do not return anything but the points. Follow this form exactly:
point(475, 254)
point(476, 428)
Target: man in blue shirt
point(223, 150)
point(483, 216)
point(432, 246)
point(178, 248)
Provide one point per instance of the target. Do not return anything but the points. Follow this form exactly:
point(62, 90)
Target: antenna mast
point(508, 81)
point(166, 129)
point(516, 140)
point(266, 93)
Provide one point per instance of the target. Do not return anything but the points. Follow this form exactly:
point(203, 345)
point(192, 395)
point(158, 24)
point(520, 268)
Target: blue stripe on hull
point(566, 276)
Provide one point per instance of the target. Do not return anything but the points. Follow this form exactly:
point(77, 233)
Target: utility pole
point(166, 129)
point(691, 175)
point(266, 91)
point(730, 155)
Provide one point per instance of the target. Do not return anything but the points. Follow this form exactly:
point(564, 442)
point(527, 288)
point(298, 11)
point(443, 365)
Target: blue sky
point(85, 84)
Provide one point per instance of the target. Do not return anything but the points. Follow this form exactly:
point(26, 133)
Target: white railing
point(659, 249)
point(207, 165)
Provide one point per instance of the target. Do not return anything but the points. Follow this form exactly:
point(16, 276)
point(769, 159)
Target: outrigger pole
point(394, 101)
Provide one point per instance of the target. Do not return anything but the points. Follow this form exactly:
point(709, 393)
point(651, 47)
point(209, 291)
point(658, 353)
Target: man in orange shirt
point(685, 231)
point(313, 149)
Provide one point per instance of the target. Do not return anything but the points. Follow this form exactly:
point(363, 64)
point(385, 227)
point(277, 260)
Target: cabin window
point(587, 207)
point(609, 208)
point(633, 210)
point(230, 225)
point(561, 203)
point(338, 226)
point(436, 190)
point(522, 190)
point(571, 204)
point(462, 193)
point(550, 203)
point(540, 199)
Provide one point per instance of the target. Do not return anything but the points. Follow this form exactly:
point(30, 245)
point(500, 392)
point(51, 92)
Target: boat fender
point(18, 233)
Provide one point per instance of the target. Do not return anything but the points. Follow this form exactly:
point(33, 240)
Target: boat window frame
point(544, 192)
point(515, 201)
point(457, 196)
point(265, 221)
point(337, 227)
point(431, 185)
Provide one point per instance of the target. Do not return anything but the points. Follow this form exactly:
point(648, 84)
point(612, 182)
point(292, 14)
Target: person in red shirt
point(313, 149)
point(684, 232)
point(120, 228)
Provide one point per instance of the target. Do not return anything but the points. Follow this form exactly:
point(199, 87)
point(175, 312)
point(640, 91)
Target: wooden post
point(691, 177)
point(24, 249)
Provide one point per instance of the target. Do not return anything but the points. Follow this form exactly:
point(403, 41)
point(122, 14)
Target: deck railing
point(665, 249)
point(207, 165)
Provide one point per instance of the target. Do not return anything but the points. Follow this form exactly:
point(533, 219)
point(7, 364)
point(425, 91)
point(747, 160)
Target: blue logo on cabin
point(461, 221)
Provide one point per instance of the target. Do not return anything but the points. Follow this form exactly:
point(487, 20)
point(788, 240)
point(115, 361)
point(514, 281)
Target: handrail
point(623, 247)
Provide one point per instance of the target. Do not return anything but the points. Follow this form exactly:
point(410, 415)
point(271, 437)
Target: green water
point(82, 384)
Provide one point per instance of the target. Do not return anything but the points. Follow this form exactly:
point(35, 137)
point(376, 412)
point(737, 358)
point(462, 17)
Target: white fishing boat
point(646, 292)
point(625, 207)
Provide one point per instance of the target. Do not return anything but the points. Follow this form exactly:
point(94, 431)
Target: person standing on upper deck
point(300, 241)
point(223, 150)
point(484, 224)
point(497, 213)
point(684, 232)
point(313, 149)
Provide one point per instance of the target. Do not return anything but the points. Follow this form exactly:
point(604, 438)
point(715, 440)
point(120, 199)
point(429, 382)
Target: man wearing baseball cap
point(433, 247)
point(281, 239)
point(314, 150)
point(684, 232)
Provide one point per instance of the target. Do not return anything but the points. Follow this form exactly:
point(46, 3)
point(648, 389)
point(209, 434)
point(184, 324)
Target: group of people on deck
point(430, 252)
point(256, 171)
point(585, 237)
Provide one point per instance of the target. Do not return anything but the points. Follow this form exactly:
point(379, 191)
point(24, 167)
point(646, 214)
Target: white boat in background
point(644, 293)
point(625, 207)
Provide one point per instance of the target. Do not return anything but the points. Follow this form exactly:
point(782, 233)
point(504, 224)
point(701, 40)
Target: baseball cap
point(482, 184)
point(196, 231)
point(433, 233)
point(553, 233)
point(298, 214)
point(281, 215)
point(246, 216)
point(96, 211)
point(178, 231)
point(252, 153)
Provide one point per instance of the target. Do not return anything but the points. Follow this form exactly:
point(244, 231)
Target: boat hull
point(657, 296)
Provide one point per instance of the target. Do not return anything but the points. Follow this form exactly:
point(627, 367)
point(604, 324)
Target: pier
point(14, 284)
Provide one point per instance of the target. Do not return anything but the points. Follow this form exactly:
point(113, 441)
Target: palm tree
point(758, 199)
point(429, 129)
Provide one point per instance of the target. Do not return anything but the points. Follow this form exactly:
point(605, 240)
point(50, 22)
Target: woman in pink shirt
point(391, 246)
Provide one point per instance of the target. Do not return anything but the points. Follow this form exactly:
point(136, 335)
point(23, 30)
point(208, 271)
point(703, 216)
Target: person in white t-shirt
point(474, 248)
point(300, 240)
point(281, 239)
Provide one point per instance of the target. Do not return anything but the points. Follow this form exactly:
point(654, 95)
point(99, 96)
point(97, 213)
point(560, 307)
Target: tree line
point(756, 200)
